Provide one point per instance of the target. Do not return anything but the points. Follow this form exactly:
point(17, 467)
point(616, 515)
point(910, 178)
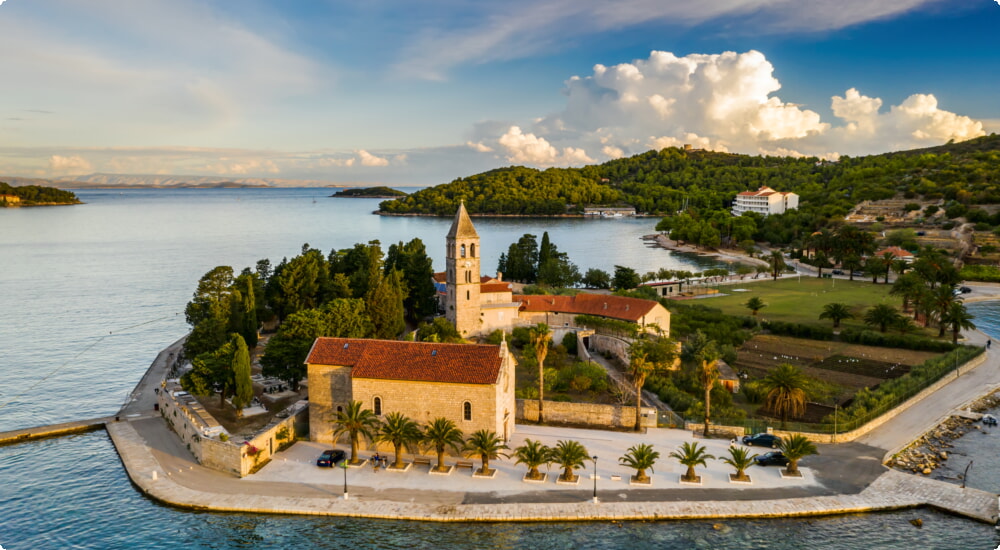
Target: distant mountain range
point(139, 181)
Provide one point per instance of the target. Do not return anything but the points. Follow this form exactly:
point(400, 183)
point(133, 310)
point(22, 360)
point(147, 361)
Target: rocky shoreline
point(930, 451)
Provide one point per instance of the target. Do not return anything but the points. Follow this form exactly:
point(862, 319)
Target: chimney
point(500, 276)
point(605, 305)
point(626, 307)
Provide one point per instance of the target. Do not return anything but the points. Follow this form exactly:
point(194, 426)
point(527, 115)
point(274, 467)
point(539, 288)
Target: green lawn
point(801, 300)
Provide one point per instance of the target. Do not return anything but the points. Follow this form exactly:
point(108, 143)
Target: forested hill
point(662, 182)
point(32, 195)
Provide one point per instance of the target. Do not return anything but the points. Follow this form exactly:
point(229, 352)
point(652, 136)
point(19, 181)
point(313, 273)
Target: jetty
point(53, 430)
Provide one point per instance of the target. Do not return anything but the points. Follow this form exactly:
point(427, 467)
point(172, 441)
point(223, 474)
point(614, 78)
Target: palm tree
point(777, 263)
point(820, 261)
point(786, 387)
point(795, 448)
point(958, 318)
point(540, 338)
point(403, 432)
point(647, 356)
point(909, 286)
point(836, 312)
point(570, 455)
point(691, 454)
point(356, 422)
point(487, 446)
point(705, 353)
point(640, 457)
point(741, 459)
point(851, 263)
point(755, 304)
point(943, 297)
point(533, 454)
point(882, 316)
point(874, 267)
point(442, 433)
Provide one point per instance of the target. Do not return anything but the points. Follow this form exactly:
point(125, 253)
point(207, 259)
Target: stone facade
point(589, 415)
point(462, 307)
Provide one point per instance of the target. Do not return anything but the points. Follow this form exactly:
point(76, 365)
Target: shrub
point(569, 342)
point(986, 273)
point(799, 330)
point(905, 341)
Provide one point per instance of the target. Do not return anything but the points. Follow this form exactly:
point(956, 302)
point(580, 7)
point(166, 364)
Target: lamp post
point(344, 466)
point(595, 479)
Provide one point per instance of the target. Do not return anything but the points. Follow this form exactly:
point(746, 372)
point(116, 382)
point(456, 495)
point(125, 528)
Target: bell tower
point(462, 306)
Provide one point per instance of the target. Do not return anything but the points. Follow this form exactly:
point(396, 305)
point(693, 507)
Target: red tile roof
point(495, 287)
point(615, 307)
point(895, 251)
point(416, 361)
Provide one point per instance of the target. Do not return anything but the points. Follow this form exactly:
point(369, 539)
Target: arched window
point(468, 276)
point(467, 411)
point(340, 409)
point(462, 251)
point(468, 295)
point(378, 406)
point(472, 250)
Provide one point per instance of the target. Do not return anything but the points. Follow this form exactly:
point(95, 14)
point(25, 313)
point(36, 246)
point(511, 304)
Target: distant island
point(380, 192)
point(34, 195)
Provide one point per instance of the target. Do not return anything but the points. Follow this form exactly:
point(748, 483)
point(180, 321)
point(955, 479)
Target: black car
point(965, 289)
point(330, 458)
point(837, 272)
point(773, 458)
point(762, 440)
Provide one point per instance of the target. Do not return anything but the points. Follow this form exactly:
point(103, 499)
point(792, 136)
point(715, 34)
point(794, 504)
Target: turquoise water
point(90, 294)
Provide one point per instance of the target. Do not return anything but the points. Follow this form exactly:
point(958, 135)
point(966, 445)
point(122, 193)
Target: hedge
point(986, 273)
point(905, 341)
point(799, 330)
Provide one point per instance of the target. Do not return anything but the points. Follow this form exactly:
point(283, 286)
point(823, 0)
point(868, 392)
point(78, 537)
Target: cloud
point(483, 32)
point(721, 102)
point(530, 149)
point(368, 159)
point(479, 147)
point(69, 165)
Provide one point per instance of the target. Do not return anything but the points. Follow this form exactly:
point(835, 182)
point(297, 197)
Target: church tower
point(462, 307)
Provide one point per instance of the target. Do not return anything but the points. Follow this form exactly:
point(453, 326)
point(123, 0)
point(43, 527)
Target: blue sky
point(386, 91)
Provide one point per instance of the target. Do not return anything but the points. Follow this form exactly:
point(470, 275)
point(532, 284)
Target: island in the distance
point(35, 195)
point(380, 192)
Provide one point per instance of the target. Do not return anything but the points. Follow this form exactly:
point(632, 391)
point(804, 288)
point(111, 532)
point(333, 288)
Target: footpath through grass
point(801, 300)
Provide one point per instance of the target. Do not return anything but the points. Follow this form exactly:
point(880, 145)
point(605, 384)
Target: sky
point(423, 92)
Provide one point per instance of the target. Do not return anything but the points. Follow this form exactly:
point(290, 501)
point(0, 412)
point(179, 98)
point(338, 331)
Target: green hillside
point(32, 195)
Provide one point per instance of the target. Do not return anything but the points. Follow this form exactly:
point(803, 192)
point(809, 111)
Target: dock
point(53, 430)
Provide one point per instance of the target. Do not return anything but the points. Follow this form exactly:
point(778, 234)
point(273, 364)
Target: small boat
point(989, 420)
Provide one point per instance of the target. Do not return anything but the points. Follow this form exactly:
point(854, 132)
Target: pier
point(53, 430)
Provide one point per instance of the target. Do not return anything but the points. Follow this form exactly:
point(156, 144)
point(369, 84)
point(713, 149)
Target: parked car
point(858, 273)
point(762, 440)
point(330, 458)
point(965, 289)
point(838, 272)
point(773, 458)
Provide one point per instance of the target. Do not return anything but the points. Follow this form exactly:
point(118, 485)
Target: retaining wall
point(585, 414)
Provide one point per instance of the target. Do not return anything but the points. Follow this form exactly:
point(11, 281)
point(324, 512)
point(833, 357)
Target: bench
point(422, 460)
point(465, 464)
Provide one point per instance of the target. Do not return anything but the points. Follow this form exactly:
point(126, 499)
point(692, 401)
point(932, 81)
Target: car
point(773, 458)
point(838, 271)
point(330, 458)
point(762, 440)
point(858, 273)
point(965, 289)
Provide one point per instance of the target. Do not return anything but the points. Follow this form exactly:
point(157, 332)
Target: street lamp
point(595, 478)
point(344, 466)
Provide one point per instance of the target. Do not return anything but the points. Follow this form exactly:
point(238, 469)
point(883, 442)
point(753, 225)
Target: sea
point(89, 294)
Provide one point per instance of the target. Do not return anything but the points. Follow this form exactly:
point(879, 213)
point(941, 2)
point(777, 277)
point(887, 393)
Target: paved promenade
point(843, 478)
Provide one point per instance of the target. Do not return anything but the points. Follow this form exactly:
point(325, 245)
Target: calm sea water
point(89, 294)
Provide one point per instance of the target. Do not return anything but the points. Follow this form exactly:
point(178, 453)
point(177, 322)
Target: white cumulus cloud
point(722, 102)
point(69, 165)
point(368, 159)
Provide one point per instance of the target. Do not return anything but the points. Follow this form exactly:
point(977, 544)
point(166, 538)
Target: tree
point(741, 459)
point(384, 302)
point(209, 312)
point(942, 297)
point(958, 318)
point(820, 261)
point(882, 316)
point(796, 448)
point(777, 263)
point(786, 391)
point(691, 454)
point(417, 269)
point(533, 454)
point(569, 455)
point(596, 278)
point(755, 304)
point(640, 457)
point(302, 281)
point(209, 370)
point(243, 306)
point(243, 394)
point(442, 433)
point(487, 446)
point(355, 421)
point(909, 286)
point(648, 356)
point(836, 312)
point(403, 432)
point(521, 261)
point(851, 263)
point(874, 267)
point(625, 278)
point(540, 338)
point(705, 353)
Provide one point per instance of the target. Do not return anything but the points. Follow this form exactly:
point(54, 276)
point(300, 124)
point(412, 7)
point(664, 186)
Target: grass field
point(801, 300)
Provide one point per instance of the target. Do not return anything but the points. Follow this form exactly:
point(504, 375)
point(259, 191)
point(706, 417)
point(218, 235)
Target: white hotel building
point(765, 201)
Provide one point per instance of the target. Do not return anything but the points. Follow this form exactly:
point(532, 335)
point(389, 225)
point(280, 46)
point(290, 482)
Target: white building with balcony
point(765, 201)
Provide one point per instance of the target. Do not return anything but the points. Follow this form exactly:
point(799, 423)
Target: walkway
point(52, 430)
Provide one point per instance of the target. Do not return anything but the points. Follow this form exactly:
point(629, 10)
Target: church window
point(468, 276)
point(462, 251)
point(468, 295)
point(377, 405)
point(467, 411)
point(472, 250)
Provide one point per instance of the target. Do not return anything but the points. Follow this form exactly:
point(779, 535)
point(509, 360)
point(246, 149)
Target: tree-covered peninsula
point(671, 180)
point(380, 192)
point(34, 195)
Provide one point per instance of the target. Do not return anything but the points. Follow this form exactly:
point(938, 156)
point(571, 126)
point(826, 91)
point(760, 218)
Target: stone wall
point(585, 414)
point(325, 382)
point(617, 347)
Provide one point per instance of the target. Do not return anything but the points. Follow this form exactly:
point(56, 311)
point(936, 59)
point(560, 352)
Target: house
point(470, 384)
point(10, 199)
point(765, 201)
point(727, 376)
point(896, 252)
point(562, 310)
